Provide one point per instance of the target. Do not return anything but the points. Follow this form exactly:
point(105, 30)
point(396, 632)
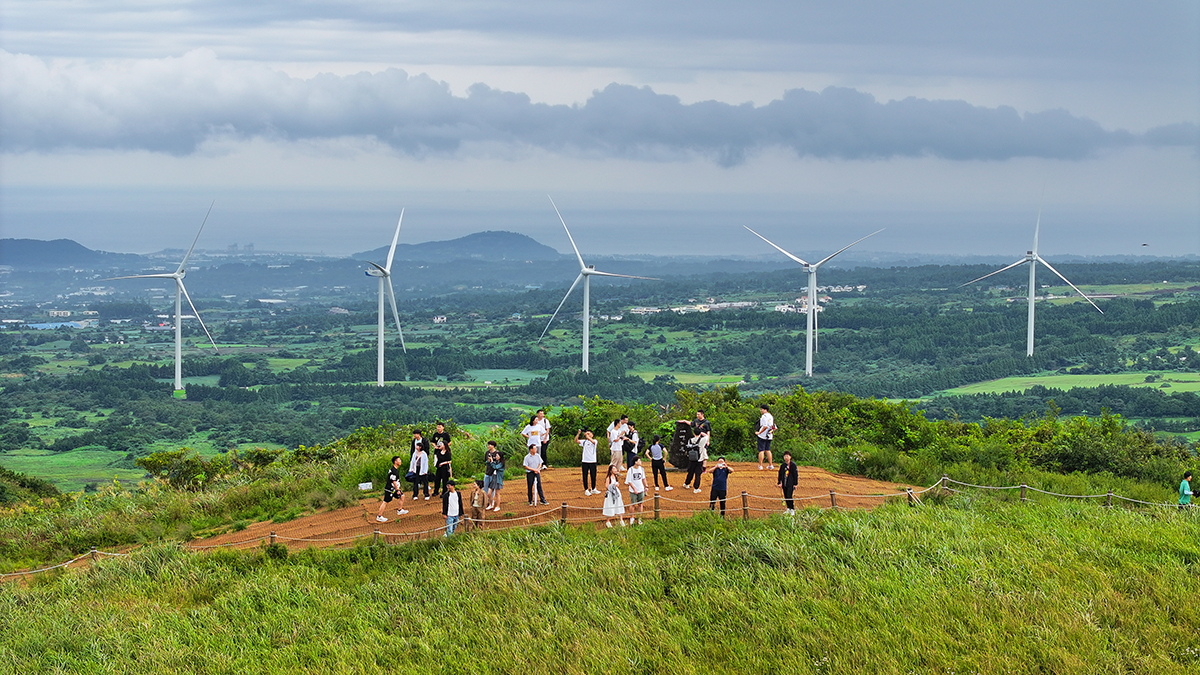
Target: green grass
point(686, 378)
point(1178, 382)
point(498, 376)
point(70, 471)
point(973, 586)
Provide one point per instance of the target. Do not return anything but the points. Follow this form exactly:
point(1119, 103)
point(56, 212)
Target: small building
point(439, 319)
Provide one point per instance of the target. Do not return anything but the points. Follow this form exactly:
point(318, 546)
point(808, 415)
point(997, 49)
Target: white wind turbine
point(180, 293)
point(384, 273)
point(1033, 259)
point(586, 272)
point(811, 268)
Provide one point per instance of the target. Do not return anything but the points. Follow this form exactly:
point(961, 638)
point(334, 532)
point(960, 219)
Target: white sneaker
point(760, 467)
point(669, 488)
point(622, 522)
point(696, 491)
point(586, 491)
point(401, 512)
point(380, 519)
point(427, 499)
point(770, 466)
point(608, 524)
point(656, 488)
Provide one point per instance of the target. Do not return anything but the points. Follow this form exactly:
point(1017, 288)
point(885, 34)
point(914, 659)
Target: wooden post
point(563, 519)
point(656, 507)
point(272, 537)
point(833, 499)
point(943, 486)
point(1023, 493)
point(374, 540)
point(95, 555)
point(912, 499)
point(745, 506)
point(1109, 504)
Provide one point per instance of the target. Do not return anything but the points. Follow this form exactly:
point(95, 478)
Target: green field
point(686, 378)
point(1177, 382)
point(70, 471)
point(498, 376)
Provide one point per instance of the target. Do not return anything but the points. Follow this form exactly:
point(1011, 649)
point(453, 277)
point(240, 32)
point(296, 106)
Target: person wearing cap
point(452, 507)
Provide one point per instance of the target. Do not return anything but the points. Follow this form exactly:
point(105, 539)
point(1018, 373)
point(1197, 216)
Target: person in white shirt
point(766, 431)
point(452, 507)
point(636, 480)
point(616, 442)
point(588, 460)
point(540, 418)
point(533, 474)
point(533, 435)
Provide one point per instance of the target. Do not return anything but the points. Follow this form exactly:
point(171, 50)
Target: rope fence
point(650, 508)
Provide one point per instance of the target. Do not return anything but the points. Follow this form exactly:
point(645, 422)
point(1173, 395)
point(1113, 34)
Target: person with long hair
point(614, 504)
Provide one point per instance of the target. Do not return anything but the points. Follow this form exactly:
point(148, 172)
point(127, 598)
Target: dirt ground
point(344, 527)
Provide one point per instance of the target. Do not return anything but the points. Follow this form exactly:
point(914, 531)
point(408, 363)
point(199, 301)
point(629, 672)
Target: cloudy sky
point(658, 127)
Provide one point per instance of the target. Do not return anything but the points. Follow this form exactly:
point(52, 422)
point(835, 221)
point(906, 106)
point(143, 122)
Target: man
point(636, 480)
point(616, 442)
point(720, 485)
point(766, 431)
point(533, 474)
point(788, 478)
point(442, 436)
point(452, 507)
point(392, 489)
point(587, 462)
point(701, 434)
point(632, 441)
point(658, 462)
point(540, 416)
point(418, 466)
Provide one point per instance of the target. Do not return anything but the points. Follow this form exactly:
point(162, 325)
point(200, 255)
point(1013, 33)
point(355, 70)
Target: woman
point(614, 504)
point(494, 461)
point(588, 460)
point(442, 467)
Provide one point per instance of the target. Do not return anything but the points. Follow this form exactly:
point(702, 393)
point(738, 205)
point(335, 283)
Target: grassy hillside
point(972, 585)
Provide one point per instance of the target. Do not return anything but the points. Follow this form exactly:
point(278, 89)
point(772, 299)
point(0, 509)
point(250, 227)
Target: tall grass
point(974, 585)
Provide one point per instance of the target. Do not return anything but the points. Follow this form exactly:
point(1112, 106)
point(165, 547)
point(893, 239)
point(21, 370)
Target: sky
point(658, 127)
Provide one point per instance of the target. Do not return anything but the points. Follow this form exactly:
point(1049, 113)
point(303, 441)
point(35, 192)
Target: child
point(613, 505)
point(588, 461)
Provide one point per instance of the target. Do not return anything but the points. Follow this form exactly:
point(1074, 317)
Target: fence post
point(272, 537)
point(563, 519)
point(95, 555)
point(1109, 504)
point(745, 506)
point(656, 507)
point(942, 486)
point(374, 539)
point(912, 499)
point(1023, 493)
point(832, 499)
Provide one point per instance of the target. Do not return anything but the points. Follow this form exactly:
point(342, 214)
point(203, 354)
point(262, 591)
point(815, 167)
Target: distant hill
point(36, 253)
point(491, 245)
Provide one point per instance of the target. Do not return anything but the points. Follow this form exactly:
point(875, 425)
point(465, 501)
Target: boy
point(392, 489)
point(766, 431)
point(452, 507)
point(636, 480)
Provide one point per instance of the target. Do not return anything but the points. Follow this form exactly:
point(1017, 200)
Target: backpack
point(693, 452)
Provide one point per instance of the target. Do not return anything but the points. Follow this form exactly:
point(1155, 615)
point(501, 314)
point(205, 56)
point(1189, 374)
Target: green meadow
point(1175, 381)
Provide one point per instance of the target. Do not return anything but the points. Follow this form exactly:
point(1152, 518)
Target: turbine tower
point(1033, 259)
point(586, 272)
point(180, 293)
point(811, 268)
point(384, 274)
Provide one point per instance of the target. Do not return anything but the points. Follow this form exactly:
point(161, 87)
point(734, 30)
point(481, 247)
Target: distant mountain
point(35, 253)
point(489, 245)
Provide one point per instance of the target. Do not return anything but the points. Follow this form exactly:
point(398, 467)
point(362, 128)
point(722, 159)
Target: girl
point(614, 504)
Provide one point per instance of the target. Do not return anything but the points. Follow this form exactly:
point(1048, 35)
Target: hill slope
point(490, 245)
point(36, 253)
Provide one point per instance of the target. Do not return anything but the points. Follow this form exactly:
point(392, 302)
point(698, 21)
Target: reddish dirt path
point(343, 527)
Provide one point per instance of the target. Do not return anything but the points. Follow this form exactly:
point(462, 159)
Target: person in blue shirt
point(1185, 491)
point(720, 483)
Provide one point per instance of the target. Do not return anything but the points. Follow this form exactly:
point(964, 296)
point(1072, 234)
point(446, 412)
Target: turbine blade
point(777, 248)
point(560, 305)
point(392, 252)
point(830, 256)
point(197, 315)
point(1002, 269)
point(142, 276)
point(1037, 228)
point(582, 266)
point(396, 314)
point(1060, 276)
point(189, 253)
point(379, 267)
point(598, 273)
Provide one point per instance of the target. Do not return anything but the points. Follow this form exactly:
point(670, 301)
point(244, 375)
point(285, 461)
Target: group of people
point(626, 452)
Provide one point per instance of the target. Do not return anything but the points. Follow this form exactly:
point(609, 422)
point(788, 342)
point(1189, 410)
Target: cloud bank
point(175, 105)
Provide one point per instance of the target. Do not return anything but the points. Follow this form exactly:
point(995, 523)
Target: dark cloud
point(175, 105)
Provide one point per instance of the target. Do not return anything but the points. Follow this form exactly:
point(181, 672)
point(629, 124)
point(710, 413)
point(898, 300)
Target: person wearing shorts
point(764, 434)
point(616, 442)
point(392, 489)
point(635, 478)
point(493, 479)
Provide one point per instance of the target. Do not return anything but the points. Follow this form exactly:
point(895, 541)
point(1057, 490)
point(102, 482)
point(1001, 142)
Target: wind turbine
point(180, 293)
point(384, 273)
point(586, 272)
point(1033, 259)
point(811, 268)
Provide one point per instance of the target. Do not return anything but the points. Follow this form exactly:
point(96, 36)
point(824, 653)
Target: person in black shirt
point(442, 467)
point(720, 484)
point(440, 435)
point(392, 490)
point(788, 477)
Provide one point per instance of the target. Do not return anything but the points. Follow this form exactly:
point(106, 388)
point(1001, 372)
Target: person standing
point(441, 435)
point(632, 441)
point(533, 474)
point(452, 507)
point(636, 480)
point(658, 462)
point(720, 484)
point(392, 489)
point(765, 432)
point(544, 422)
point(478, 501)
point(533, 435)
point(587, 460)
point(616, 442)
point(493, 479)
point(701, 435)
point(1185, 491)
point(418, 466)
point(788, 478)
point(443, 469)
point(613, 504)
